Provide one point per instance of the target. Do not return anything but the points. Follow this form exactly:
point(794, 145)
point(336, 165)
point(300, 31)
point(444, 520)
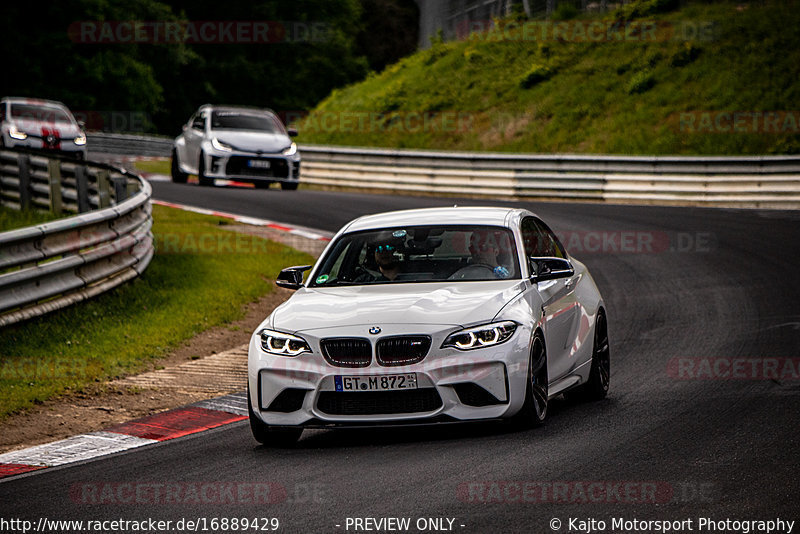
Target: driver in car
point(387, 258)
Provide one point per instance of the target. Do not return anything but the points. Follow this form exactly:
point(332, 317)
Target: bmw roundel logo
point(375, 330)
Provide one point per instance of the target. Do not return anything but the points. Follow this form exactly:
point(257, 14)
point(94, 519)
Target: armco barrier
point(49, 266)
point(758, 181)
point(744, 181)
point(128, 145)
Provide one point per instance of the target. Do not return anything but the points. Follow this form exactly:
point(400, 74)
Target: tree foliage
point(319, 45)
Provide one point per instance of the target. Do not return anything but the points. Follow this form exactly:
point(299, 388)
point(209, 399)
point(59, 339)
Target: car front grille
point(379, 402)
point(239, 166)
point(347, 351)
point(402, 350)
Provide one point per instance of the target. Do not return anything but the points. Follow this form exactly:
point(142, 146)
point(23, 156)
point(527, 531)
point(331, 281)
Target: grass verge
point(11, 219)
point(153, 166)
point(201, 277)
point(687, 81)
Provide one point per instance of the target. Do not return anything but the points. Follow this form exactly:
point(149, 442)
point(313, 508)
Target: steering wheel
point(472, 272)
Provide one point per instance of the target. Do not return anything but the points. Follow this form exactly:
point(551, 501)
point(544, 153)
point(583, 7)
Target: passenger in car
point(491, 249)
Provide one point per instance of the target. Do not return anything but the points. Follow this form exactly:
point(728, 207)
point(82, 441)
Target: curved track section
point(689, 291)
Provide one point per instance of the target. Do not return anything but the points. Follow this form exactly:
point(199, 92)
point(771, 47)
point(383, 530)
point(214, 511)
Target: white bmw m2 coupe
point(429, 316)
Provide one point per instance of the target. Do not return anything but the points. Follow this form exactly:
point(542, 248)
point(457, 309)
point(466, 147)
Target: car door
point(558, 300)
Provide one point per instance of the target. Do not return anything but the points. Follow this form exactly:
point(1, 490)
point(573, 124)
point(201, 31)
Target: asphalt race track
point(701, 420)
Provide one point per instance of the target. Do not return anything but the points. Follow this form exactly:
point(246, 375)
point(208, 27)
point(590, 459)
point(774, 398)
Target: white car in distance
point(236, 143)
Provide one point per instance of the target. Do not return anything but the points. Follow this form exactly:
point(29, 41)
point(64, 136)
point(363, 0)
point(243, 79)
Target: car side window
point(199, 122)
point(3, 112)
point(539, 240)
point(554, 246)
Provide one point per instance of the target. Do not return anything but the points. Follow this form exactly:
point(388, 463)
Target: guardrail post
point(103, 198)
point(24, 165)
point(82, 187)
point(54, 170)
point(120, 189)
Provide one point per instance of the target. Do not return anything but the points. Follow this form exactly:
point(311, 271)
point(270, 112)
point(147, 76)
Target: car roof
point(213, 107)
point(32, 101)
point(484, 216)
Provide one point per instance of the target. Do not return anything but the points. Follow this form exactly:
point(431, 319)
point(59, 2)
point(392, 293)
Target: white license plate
point(375, 382)
point(258, 164)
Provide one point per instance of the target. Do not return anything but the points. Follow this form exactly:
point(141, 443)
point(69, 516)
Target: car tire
point(596, 388)
point(262, 185)
point(201, 173)
point(178, 176)
point(268, 435)
point(289, 186)
point(534, 409)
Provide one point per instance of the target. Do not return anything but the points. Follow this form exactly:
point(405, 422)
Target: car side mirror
point(548, 268)
point(292, 277)
point(292, 132)
point(82, 125)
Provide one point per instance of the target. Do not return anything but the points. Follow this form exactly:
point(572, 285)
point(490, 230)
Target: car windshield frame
point(40, 113)
point(249, 122)
point(424, 253)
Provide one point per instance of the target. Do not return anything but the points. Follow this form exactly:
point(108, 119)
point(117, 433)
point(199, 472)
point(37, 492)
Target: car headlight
point(283, 344)
point(219, 145)
point(80, 140)
point(481, 336)
point(291, 151)
point(16, 134)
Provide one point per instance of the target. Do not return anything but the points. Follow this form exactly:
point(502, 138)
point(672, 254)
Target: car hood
point(34, 127)
point(253, 141)
point(459, 304)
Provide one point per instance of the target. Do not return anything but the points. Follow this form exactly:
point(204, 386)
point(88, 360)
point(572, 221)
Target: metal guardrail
point(49, 266)
point(745, 181)
point(128, 145)
point(758, 181)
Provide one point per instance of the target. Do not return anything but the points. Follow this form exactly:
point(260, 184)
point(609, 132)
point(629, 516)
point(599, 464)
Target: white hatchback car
point(42, 125)
point(236, 143)
point(429, 316)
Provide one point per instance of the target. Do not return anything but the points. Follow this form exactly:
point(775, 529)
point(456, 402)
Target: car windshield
point(420, 254)
point(236, 120)
point(39, 113)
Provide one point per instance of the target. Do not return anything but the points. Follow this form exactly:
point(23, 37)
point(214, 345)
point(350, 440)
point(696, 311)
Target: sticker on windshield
point(399, 233)
point(322, 279)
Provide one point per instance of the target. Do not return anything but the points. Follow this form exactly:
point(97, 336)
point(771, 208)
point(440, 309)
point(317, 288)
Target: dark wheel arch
point(534, 409)
point(268, 435)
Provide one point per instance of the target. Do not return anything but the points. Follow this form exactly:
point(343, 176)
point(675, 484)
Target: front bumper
point(251, 167)
point(64, 147)
point(452, 385)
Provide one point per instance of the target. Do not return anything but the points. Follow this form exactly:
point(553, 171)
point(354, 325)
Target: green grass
point(201, 277)
point(528, 95)
point(12, 219)
point(154, 166)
